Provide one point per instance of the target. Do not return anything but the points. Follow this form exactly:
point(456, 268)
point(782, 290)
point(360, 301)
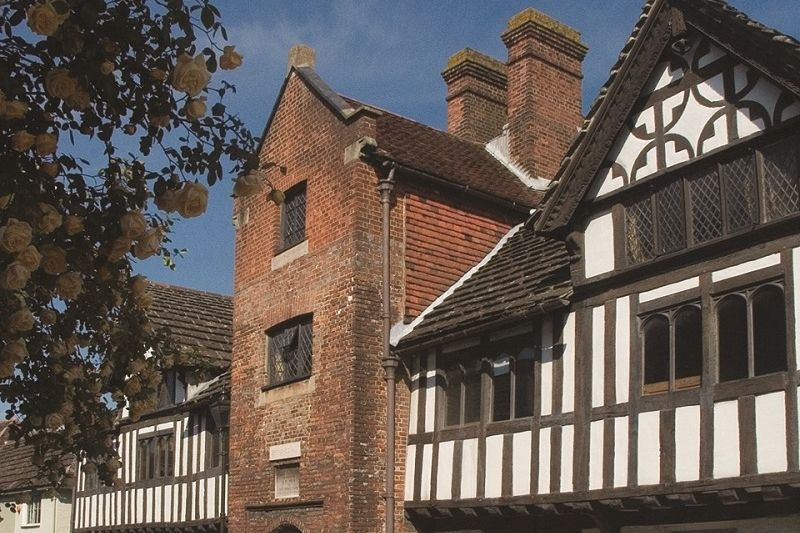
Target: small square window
point(289, 351)
point(293, 217)
point(287, 481)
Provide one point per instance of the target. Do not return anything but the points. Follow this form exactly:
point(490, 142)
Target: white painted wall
point(598, 244)
point(55, 516)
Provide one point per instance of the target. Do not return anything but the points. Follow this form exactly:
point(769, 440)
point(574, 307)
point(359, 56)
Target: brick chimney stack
point(544, 90)
point(476, 95)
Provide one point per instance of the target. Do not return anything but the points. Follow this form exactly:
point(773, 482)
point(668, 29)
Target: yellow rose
point(191, 74)
point(69, 285)
point(50, 168)
point(14, 277)
point(106, 68)
point(138, 286)
point(44, 19)
point(54, 259)
point(149, 244)
point(73, 225)
point(249, 184)
point(133, 224)
point(193, 200)
point(118, 249)
point(15, 351)
point(4, 201)
point(53, 421)
point(15, 236)
point(22, 140)
point(230, 58)
point(79, 100)
point(20, 321)
point(60, 84)
point(49, 219)
point(159, 121)
point(30, 257)
point(158, 74)
point(168, 201)
point(46, 144)
point(196, 108)
point(15, 109)
point(48, 317)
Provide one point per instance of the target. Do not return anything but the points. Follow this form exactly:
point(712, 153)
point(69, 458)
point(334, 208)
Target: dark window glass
point(501, 386)
point(156, 457)
point(732, 338)
point(656, 353)
point(740, 192)
point(452, 397)
point(289, 351)
point(706, 207)
point(472, 396)
point(769, 330)
point(669, 214)
point(293, 216)
point(688, 347)
point(781, 191)
point(523, 384)
point(640, 239)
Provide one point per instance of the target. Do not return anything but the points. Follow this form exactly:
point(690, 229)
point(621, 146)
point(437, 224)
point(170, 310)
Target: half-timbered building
point(627, 359)
point(174, 469)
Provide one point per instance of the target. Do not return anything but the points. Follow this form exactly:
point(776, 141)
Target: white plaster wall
point(521, 465)
point(444, 471)
point(494, 466)
point(771, 452)
point(649, 448)
point(726, 439)
point(598, 244)
point(55, 517)
point(596, 431)
point(598, 355)
point(411, 461)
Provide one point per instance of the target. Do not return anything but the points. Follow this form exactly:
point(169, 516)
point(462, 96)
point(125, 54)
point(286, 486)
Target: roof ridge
point(189, 289)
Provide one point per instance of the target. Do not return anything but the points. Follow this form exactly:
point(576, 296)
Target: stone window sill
point(289, 255)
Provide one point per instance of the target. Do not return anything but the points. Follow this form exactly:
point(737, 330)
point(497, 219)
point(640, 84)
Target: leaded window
point(462, 393)
point(293, 216)
point(156, 456)
point(289, 350)
point(673, 349)
point(751, 332)
point(512, 381)
point(713, 200)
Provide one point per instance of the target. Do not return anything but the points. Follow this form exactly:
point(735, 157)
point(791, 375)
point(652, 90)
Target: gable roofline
point(660, 21)
point(340, 107)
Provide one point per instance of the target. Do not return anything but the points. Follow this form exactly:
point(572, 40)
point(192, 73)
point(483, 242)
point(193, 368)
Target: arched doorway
point(286, 529)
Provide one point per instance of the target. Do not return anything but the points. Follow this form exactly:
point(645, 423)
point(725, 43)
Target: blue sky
point(389, 54)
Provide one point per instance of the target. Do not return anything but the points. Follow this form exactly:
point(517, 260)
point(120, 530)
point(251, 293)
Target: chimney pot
point(301, 55)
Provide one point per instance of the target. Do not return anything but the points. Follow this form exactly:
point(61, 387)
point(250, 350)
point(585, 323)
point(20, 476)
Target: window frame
point(648, 189)
point(297, 190)
point(305, 320)
point(151, 456)
point(747, 294)
point(507, 347)
point(34, 506)
point(672, 384)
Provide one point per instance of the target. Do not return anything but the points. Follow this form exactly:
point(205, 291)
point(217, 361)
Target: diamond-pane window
point(293, 216)
point(669, 212)
point(639, 235)
point(781, 190)
point(289, 351)
point(740, 192)
point(706, 207)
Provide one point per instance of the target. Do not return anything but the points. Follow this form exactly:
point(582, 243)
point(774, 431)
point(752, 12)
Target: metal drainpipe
point(389, 361)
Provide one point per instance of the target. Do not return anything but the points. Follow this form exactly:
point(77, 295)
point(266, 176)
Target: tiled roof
point(17, 471)
point(528, 274)
point(450, 158)
point(776, 53)
point(212, 389)
point(196, 319)
point(430, 151)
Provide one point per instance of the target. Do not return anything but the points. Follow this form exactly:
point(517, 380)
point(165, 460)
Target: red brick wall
point(444, 238)
point(339, 414)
